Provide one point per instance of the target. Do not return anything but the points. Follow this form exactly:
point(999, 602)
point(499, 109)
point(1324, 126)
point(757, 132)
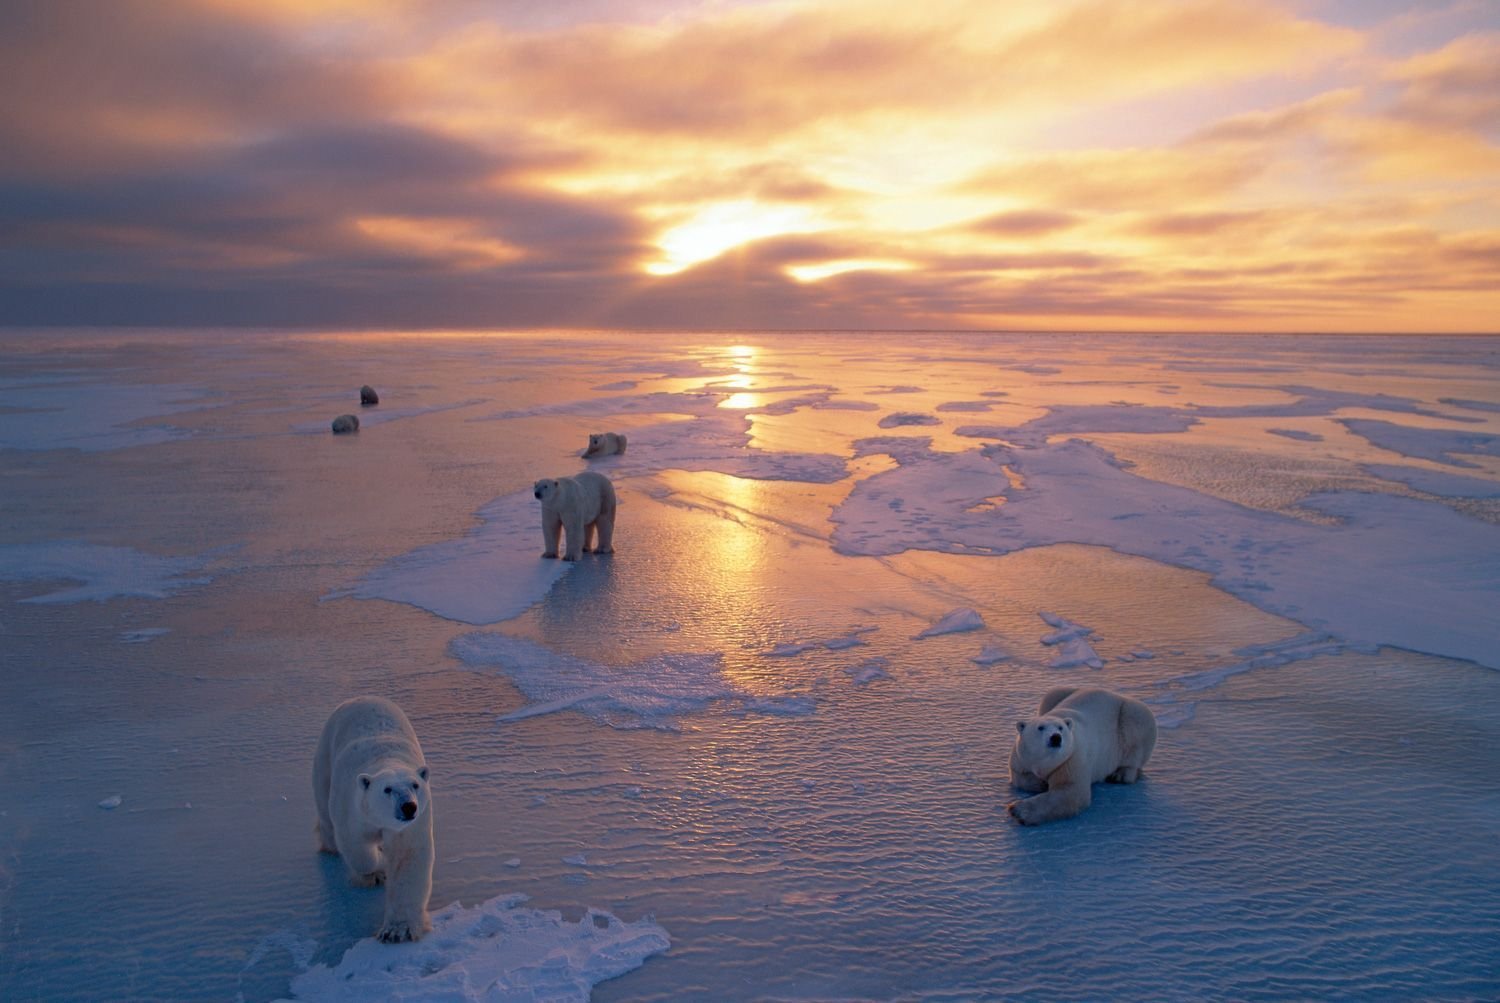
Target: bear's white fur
point(345, 423)
point(605, 444)
point(1080, 737)
point(375, 808)
point(580, 505)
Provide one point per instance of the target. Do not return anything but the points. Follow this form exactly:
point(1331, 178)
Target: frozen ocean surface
point(760, 752)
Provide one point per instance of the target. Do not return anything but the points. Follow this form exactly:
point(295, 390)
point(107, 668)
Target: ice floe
point(1435, 444)
point(497, 952)
point(1438, 571)
point(64, 413)
point(867, 671)
point(956, 622)
point(1435, 482)
point(991, 654)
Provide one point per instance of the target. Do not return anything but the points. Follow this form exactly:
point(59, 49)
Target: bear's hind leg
point(1124, 775)
point(606, 526)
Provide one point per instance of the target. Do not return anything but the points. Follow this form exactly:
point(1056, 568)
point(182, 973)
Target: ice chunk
point(112, 802)
point(1074, 652)
point(1066, 630)
point(867, 671)
point(959, 620)
point(495, 951)
point(991, 654)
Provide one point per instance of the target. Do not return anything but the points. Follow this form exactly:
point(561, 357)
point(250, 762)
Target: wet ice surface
point(729, 733)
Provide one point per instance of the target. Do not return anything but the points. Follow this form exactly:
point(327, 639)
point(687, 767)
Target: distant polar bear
point(579, 505)
point(605, 444)
point(375, 809)
point(1082, 736)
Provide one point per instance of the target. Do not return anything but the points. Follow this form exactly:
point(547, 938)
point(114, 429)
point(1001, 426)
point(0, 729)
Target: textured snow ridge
point(652, 693)
point(106, 572)
point(496, 952)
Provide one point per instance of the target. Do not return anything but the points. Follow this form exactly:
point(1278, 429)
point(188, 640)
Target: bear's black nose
point(536, 494)
point(409, 810)
point(1055, 741)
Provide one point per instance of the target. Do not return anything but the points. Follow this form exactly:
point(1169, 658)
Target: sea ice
point(955, 622)
point(106, 572)
point(867, 671)
point(1435, 444)
point(652, 693)
point(496, 952)
point(1076, 651)
point(991, 654)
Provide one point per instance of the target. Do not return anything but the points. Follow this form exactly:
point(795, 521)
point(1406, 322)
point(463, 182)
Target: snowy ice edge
point(495, 950)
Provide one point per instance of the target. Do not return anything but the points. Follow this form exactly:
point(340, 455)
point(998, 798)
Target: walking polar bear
point(375, 809)
point(580, 505)
point(1082, 736)
point(605, 444)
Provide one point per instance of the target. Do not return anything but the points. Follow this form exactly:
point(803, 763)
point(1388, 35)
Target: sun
point(717, 228)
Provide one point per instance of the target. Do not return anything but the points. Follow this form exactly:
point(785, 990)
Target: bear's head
point(544, 489)
point(1044, 743)
point(596, 442)
point(394, 798)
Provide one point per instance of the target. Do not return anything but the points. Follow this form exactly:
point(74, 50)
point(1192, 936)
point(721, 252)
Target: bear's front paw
point(569, 557)
point(549, 553)
point(1026, 812)
point(369, 880)
point(398, 932)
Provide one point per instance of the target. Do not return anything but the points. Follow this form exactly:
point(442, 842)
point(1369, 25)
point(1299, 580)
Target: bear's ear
point(364, 780)
point(1020, 727)
point(422, 773)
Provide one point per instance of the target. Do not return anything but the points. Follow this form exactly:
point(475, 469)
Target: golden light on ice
point(724, 225)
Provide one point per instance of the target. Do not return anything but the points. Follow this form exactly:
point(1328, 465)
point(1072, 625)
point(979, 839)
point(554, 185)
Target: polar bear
point(1082, 736)
point(579, 505)
point(605, 444)
point(375, 809)
point(345, 423)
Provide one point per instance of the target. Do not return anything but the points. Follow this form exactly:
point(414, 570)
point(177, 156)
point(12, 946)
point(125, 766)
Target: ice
point(497, 952)
point(1296, 433)
point(143, 635)
point(493, 573)
point(1066, 630)
point(106, 572)
point(371, 417)
point(991, 654)
point(901, 419)
point(867, 671)
point(1439, 570)
point(1435, 444)
point(82, 414)
point(654, 693)
point(1076, 651)
point(1436, 482)
point(959, 620)
point(1321, 665)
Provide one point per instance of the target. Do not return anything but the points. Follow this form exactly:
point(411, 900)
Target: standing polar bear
point(1082, 736)
point(375, 809)
point(605, 444)
point(579, 505)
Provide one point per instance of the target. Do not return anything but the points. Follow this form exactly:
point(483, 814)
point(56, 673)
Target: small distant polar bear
point(605, 444)
point(579, 505)
point(375, 809)
point(345, 423)
point(1080, 737)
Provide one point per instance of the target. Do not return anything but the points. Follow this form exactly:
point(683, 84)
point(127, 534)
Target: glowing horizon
point(1322, 165)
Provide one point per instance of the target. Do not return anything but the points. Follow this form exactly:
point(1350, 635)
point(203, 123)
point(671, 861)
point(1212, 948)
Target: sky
point(1216, 165)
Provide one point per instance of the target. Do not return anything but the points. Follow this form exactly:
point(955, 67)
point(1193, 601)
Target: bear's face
point(545, 489)
point(394, 798)
point(595, 442)
point(1044, 743)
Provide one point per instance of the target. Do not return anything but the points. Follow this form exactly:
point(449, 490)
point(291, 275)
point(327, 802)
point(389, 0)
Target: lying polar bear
point(605, 444)
point(375, 809)
point(1082, 736)
point(579, 505)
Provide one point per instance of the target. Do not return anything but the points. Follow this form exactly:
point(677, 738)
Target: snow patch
point(496, 952)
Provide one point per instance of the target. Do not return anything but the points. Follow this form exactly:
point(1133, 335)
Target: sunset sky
point(1309, 165)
